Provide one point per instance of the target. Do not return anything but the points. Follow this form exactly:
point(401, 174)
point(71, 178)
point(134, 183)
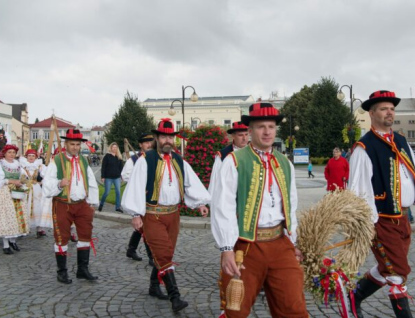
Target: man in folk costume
point(71, 183)
point(145, 142)
point(255, 211)
point(33, 168)
point(382, 172)
point(161, 179)
point(240, 139)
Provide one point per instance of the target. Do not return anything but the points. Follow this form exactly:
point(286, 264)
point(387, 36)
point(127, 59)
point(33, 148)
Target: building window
point(178, 124)
point(34, 135)
point(412, 121)
point(397, 122)
point(211, 122)
point(46, 137)
point(227, 123)
point(411, 133)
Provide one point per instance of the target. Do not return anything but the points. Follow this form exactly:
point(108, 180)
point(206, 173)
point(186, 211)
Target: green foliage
point(324, 119)
point(36, 143)
point(296, 106)
point(200, 153)
point(319, 160)
point(130, 121)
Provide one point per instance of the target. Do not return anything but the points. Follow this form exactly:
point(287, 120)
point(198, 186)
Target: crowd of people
point(252, 197)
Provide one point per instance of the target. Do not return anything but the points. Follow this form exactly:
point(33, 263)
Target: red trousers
point(161, 232)
point(271, 265)
point(65, 214)
point(391, 246)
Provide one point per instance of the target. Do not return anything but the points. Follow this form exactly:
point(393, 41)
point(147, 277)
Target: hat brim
point(74, 139)
point(145, 139)
point(247, 119)
point(231, 131)
point(164, 133)
point(368, 103)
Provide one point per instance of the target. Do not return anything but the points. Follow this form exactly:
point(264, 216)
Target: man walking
point(240, 139)
point(161, 179)
point(382, 172)
point(146, 143)
point(255, 202)
point(71, 183)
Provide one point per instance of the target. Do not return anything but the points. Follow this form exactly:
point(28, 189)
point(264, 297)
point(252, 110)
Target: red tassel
point(93, 245)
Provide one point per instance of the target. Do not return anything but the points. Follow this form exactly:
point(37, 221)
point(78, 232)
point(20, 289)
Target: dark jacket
point(111, 167)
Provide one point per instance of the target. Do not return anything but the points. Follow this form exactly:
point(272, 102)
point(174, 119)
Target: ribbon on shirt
point(75, 166)
point(270, 158)
point(167, 158)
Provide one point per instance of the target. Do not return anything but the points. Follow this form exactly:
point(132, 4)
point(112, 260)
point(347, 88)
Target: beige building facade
point(220, 111)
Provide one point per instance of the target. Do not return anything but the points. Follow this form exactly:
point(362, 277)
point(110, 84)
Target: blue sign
point(301, 155)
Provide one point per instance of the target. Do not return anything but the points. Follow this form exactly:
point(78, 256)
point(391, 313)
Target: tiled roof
point(97, 128)
point(153, 100)
point(61, 123)
point(406, 105)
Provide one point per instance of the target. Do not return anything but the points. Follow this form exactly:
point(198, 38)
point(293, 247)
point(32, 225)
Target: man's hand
point(102, 180)
point(298, 255)
point(17, 183)
point(64, 182)
point(229, 264)
point(137, 223)
point(204, 211)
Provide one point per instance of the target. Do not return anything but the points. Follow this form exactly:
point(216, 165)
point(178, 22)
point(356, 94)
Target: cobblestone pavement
point(28, 286)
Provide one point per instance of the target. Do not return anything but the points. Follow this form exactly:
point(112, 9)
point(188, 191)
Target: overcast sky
point(79, 57)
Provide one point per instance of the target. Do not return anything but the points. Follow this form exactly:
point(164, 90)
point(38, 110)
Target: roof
point(97, 128)
point(17, 110)
point(406, 105)
point(61, 123)
point(154, 100)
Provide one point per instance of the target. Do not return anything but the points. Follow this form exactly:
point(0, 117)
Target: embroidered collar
point(261, 153)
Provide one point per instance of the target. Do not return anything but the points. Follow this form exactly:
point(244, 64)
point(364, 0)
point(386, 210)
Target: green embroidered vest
point(251, 184)
point(83, 164)
point(11, 174)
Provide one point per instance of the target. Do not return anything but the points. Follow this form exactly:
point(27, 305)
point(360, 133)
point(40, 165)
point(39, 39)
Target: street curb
point(185, 221)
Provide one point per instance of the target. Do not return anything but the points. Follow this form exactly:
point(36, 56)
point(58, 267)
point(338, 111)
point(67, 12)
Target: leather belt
point(67, 202)
point(266, 234)
point(162, 209)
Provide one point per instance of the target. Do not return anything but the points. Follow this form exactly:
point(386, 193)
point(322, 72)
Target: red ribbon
point(400, 288)
point(167, 158)
point(75, 166)
point(161, 274)
point(61, 252)
point(93, 245)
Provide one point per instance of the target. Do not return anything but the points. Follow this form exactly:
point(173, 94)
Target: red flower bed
point(200, 152)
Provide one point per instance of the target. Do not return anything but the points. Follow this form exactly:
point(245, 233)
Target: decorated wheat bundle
point(339, 212)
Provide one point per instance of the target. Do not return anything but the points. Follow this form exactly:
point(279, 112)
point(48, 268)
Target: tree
point(325, 119)
point(36, 120)
point(296, 106)
point(130, 121)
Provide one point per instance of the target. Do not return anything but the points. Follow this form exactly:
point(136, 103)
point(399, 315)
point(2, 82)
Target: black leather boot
point(170, 281)
point(62, 270)
point(132, 246)
point(365, 288)
point(149, 254)
point(83, 262)
point(154, 289)
point(404, 311)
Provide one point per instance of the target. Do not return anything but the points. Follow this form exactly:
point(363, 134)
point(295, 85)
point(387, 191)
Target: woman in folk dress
point(14, 219)
point(33, 168)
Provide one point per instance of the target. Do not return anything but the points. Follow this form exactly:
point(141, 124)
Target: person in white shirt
point(72, 184)
point(382, 172)
point(240, 139)
point(145, 142)
point(33, 168)
point(254, 211)
point(161, 179)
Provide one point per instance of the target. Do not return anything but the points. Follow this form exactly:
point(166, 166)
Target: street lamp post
point(172, 112)
point(296, 128)
point(341, 96)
